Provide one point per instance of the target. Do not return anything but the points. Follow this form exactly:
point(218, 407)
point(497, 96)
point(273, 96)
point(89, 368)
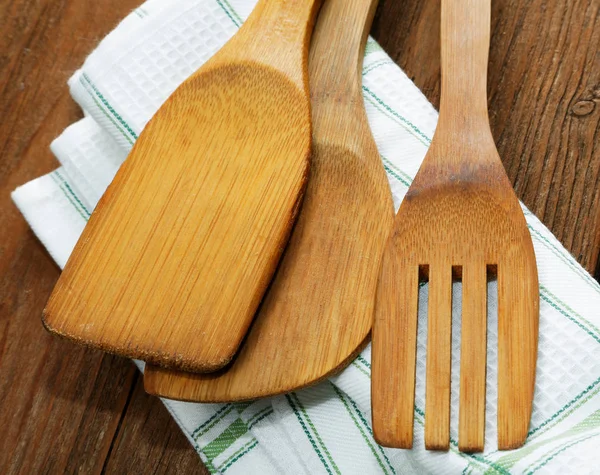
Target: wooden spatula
point(462, 213)
point(179, 251)
point(318, 310)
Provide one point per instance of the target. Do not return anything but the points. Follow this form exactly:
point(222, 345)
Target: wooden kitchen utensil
point(319, 308)
point(460, 212)
point(180, 249)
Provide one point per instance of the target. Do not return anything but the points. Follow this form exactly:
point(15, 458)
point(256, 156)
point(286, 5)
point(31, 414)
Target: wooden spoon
point(180, 249)
point(318, 311)
point(460, 212)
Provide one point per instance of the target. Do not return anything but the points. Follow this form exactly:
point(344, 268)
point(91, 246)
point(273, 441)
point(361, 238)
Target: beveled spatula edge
point(86, 329)
point(154, 379)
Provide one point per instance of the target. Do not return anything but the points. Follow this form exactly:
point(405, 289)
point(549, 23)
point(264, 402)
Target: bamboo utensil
point(460, 212)
point(318, 310)
point(179, 251)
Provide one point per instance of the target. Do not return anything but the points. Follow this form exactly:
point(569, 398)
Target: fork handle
point(465, 41)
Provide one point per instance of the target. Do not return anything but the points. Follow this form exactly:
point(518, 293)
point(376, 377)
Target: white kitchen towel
point(324, 429)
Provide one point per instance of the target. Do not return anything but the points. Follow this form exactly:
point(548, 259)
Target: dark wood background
point(68, 409)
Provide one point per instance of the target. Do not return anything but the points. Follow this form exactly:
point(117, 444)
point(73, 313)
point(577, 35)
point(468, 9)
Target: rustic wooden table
point(68, 409)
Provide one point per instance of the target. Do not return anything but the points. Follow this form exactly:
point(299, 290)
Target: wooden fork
point(460, 212)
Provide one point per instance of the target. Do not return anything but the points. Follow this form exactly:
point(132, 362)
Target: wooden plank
point(149, 440)
point(60, 404)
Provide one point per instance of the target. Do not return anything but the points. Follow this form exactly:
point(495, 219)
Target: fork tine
point(439, 356)
point(518, 310)
point(471, 423)
point(394, 352)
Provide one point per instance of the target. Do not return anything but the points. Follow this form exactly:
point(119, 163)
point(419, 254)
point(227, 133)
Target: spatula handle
point(277, 33)
point(336, 57)
point(335, 72)
point(465, 41)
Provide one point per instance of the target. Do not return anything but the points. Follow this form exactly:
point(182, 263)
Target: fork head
point(460, 213)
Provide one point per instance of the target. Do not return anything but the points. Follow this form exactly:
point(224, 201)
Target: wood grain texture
point(179, 251)
point(438, 376)
point(318, 310)
point(394, 354)
point(148, 432)
point(460, 210)
point(41, 43)
point(473, 358)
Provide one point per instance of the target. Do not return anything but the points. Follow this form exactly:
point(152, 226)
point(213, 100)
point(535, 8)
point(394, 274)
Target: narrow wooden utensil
point(180, 249)
point(319, 308)
point(460, 212)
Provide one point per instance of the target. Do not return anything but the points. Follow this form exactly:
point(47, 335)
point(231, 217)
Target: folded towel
point(324, 429)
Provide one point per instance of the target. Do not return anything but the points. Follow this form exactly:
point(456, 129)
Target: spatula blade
point(178, 253)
